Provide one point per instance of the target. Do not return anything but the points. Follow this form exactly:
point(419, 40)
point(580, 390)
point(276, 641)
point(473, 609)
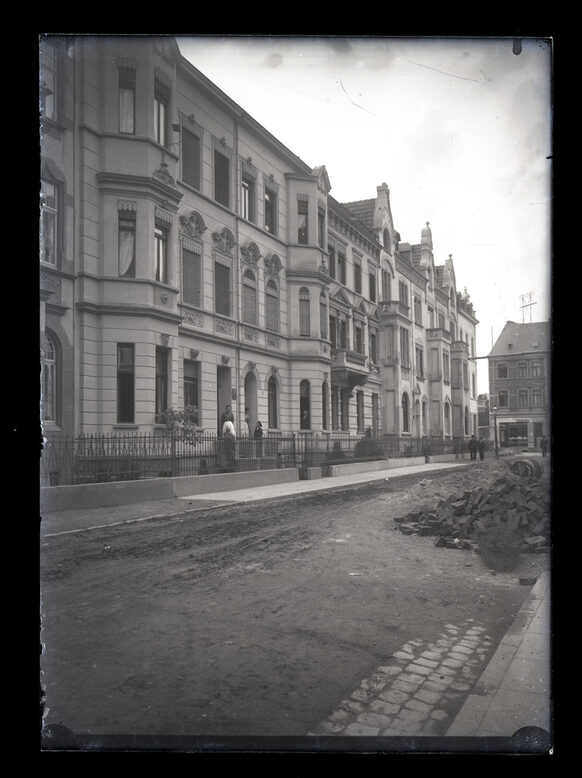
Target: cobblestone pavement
point(418, 691)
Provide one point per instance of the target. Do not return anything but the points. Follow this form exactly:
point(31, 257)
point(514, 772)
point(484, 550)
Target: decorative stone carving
point(251, 254)
point(273, 341)
point(164, 297)
point(224, 327)
point(127, 205)
point(273, 265)
point(194, 353)
point(224, 240)
point(249, 334)
point(163, 216)
point(194, 319)
point(224, 359)
point(193, 225)
point(163, 174)
point(251, 365)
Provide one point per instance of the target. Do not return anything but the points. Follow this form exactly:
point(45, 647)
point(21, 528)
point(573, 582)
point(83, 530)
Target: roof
point(363, 210)
point(416, 254)
point(523, 339)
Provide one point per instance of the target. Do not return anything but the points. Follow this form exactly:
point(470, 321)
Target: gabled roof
point(439, 271)
point(523, 339)
point(363, 210)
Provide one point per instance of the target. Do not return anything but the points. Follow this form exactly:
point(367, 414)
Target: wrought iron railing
point(100, 458)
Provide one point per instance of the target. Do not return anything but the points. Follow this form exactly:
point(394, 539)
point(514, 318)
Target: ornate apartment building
point(188, 258)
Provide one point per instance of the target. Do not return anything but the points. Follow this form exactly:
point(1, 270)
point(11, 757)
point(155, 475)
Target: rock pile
point(508, 507)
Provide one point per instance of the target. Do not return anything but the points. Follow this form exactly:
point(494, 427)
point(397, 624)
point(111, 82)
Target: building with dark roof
point(190, 259)
point(519, 384)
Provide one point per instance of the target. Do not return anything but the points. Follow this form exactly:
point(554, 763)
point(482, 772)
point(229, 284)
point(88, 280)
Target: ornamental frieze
point(163, 174)
point(250, 254)
point(250, 334)
point(223, 327)
point(273, 341)
point(273, 264)
point(194, 319)
point(223, 240)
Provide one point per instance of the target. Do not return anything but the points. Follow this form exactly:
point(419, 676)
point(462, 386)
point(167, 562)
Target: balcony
point(349, 368)
point(438, 333)
point(394, 308)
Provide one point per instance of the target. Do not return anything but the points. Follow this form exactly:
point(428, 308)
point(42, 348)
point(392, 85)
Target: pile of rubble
point(508, 505)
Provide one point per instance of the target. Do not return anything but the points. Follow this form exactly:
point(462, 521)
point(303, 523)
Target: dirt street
point(255, 620)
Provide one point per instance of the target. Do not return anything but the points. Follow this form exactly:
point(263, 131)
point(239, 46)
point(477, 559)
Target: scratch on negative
point(453, 75)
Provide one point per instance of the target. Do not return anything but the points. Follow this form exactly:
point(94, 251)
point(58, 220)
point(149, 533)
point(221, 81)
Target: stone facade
point(200, 262)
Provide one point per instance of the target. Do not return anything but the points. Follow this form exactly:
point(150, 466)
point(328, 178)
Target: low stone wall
point(349, 468)
point(62, 498)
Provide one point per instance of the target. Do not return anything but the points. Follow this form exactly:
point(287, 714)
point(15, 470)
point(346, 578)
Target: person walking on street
point(544, 445)
point(481, 447)
point(473, 447)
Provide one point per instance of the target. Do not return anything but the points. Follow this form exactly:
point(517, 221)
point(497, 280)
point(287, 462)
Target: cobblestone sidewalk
point(418, 691)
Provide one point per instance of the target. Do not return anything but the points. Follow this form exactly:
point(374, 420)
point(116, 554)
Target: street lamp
point(495, 429)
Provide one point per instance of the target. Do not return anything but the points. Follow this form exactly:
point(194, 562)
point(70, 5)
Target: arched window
point(272, 306)
point(249, 297)
point(447, 419)
point(405, 413)
point(466, 420)
point(424, 417)
point(304, 405)
point(272, 402)
point(324, 405)
point(304, 312)
point(49, 380)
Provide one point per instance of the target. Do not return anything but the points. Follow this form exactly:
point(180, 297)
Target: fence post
point(294, 451)
point(173, 451)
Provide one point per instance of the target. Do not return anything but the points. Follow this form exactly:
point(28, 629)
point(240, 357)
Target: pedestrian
point(473, 447)
point(226, 416)
point(481, 447)
point(248, 421)
point(258, 435)
point(544, 445)
point(229, 435)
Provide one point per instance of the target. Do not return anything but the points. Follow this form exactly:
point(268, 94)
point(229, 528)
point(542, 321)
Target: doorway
point(250, 403)
point(223, 393)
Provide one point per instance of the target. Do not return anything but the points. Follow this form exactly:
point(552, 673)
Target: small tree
point(182, 423)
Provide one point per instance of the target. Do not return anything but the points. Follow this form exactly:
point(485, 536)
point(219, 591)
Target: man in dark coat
point(473, 447)
point(481, 447)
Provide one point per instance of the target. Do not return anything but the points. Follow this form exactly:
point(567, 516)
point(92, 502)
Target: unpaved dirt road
point(255, 620)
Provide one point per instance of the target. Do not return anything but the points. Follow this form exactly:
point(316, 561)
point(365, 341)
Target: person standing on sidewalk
point(258, 435)
point(544, 445)
point(481, 447)
point(473, 447)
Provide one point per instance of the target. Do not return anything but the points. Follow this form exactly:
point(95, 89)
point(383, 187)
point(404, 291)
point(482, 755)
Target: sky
point(459, 128)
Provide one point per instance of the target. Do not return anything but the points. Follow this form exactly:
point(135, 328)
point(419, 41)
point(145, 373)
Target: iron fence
point(109, 457)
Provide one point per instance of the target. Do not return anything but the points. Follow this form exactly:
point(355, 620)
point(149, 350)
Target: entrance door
point(250, 403)
point(223, 393)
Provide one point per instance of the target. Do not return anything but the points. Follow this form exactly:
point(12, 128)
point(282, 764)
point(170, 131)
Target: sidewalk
point(91, 518)
point(513, 691)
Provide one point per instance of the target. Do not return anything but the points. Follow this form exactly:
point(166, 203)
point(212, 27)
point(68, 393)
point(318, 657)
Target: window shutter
point(191, 158)
point(222, 288)
point(191, 277)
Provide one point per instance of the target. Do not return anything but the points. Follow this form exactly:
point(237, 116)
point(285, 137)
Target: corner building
point(189, 258)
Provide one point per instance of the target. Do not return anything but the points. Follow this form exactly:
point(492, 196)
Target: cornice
point(116, 183)
point(128, 309)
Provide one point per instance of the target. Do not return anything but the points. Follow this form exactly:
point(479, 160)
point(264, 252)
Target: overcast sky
point(459, 129)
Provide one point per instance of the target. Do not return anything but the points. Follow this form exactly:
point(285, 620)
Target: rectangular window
point(49, 201)
point(270, 212)
point(373, 352)
point(272, 307)
point(446, 367)
point(417, 310)
point(465, 375)
point(341, 266)
point(304, 316)
point(334, 408)
point(375, 414)
point(431, 318)
point(342, 334)
point(221, 179)
point(359, 343)
point(161, 399)
point(501, 371)
point(321, 228)
point(503, 399)
point(160, 120)
point(372, 285)
point(385, 285)
point(536, 398)
point(473, 385)
point(536, 369)
point(441, 321)
point(192, 387)
point(360, 411)
point(344, 409)
point(332, 268)
point(522, 369)
point(419, 362)
point(333, 331)
point(190, 158)
point(323, 318)
point(357, 278)
point(404, 348)
point(48, 74)
point(222, 288)
point(272, 404)
point(302, 220)
point(161, 254)
point(126, 244)
point(248, 198)
point(522, 397)
point(127, 101)
point(249, 298)
point(192, 277)
point(403, 293)
point(125, 383)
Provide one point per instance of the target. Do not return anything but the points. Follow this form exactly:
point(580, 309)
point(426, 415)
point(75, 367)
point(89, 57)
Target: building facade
point(519, 384)
point(189, 259)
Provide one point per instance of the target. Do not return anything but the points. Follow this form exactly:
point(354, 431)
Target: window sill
point(126, 426)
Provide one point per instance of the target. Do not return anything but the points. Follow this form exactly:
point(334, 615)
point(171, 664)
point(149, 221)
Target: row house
point(519, 384)
point(188, 258)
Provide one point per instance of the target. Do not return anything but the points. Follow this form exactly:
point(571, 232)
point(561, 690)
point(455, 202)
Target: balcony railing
point(438, 333)
point(395, 308)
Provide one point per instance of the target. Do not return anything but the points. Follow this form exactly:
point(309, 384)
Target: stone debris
point(507, 503)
